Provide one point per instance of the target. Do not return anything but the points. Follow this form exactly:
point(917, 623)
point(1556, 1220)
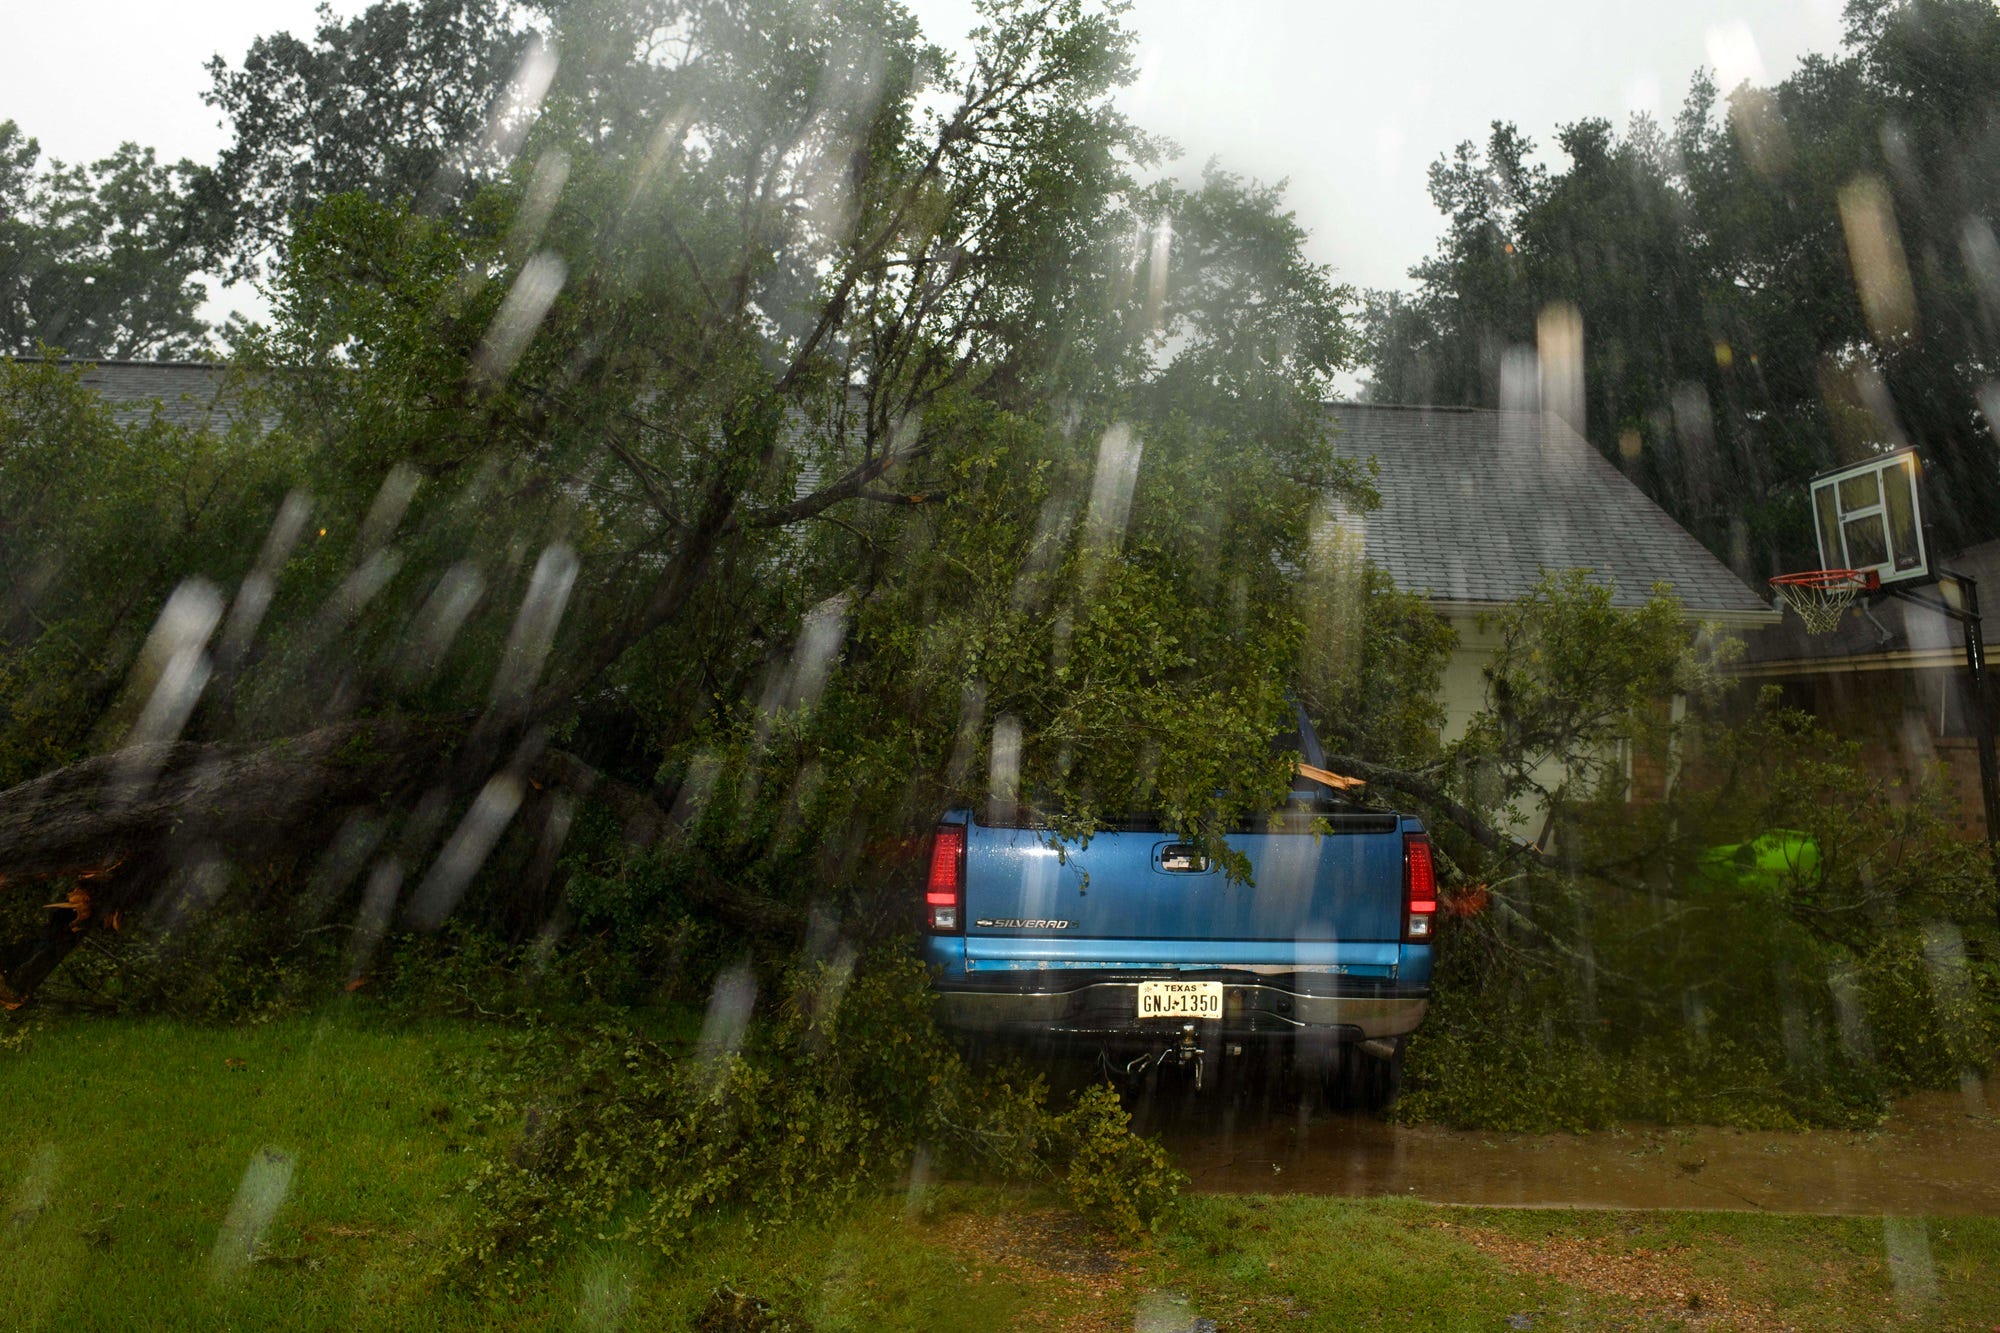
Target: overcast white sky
point(1350, 100)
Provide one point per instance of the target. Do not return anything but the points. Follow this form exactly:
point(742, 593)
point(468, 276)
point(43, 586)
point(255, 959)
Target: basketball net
point(1822, 596)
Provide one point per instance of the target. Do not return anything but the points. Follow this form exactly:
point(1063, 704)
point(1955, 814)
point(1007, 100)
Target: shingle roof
point(1478, 505)
point(188, 392)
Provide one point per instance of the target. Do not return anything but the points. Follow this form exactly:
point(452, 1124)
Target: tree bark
point(1411, 784)
point(245, 799)
point(123, 823)
point(126, 821)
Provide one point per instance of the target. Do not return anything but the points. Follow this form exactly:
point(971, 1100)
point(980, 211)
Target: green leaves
point(1373, 657)
point(896, 478)
point(614, 1133)
point(1727, 352)
point(102, 519)
point(1572, 680)
point(396, 102)
point(1738, 921)
point(1115, 1178)
point(98, 261)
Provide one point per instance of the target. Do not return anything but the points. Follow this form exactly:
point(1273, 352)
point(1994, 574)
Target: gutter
point(1725, 619)
point(1902, 659)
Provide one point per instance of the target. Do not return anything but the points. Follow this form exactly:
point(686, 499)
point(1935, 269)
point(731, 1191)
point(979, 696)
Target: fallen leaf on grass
point(1655, 1279)
point(1053, 1254)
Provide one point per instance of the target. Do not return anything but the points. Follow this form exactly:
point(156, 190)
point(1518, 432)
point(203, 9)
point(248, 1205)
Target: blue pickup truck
point(1135, 945)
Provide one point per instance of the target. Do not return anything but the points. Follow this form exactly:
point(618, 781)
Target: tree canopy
point(405, 101)
point(784, 432)
point(1779, 282)
point(697, 442)
point(96, 259)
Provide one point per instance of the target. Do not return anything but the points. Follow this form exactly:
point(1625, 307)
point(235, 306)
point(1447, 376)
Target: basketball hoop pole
point(1966, 613)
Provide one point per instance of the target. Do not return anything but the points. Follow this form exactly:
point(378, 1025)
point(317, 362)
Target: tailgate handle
point(1183, 858)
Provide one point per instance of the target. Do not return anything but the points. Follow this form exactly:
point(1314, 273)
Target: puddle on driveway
point(1939, 1153)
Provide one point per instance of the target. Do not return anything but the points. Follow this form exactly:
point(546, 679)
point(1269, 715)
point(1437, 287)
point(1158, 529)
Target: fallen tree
point(119, 827)
point(749, 391)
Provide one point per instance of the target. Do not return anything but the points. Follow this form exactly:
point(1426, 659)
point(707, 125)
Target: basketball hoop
point(1820, 596)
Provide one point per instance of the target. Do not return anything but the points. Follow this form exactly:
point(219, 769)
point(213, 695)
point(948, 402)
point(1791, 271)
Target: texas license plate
point(1180, 999)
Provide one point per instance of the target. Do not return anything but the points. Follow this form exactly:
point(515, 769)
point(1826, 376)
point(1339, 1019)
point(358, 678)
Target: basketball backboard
point(1869, 518)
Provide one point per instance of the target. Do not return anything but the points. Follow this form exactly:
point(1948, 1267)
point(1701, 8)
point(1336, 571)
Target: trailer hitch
point(1185, 1053)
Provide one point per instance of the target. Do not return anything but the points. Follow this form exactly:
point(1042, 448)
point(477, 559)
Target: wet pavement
point(1939, 1153)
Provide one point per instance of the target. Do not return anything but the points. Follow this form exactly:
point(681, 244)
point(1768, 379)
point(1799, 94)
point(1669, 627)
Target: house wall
point(1462, 692)
point(1463, 689)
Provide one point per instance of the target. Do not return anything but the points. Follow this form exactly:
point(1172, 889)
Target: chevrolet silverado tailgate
point(1136, 884)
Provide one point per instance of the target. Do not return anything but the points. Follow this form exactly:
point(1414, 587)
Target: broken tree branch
point(1410, 784)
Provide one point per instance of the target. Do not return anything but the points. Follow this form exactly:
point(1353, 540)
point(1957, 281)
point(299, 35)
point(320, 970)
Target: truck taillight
point(944, 892)
point(1420, 895)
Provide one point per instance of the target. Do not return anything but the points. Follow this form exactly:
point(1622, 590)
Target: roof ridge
point(119, 361)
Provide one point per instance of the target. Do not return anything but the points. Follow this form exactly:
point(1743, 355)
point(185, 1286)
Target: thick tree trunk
point(122, 824)
point(246, 800)
point(125, 822)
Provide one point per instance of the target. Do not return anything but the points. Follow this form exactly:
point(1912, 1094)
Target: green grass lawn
point(310, 1172)
point(123, 1146)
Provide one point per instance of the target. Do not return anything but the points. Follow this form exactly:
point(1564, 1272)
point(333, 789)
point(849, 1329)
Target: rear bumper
point(1266, 1008)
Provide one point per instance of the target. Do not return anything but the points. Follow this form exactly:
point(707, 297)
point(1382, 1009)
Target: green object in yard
point(1763, 865)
